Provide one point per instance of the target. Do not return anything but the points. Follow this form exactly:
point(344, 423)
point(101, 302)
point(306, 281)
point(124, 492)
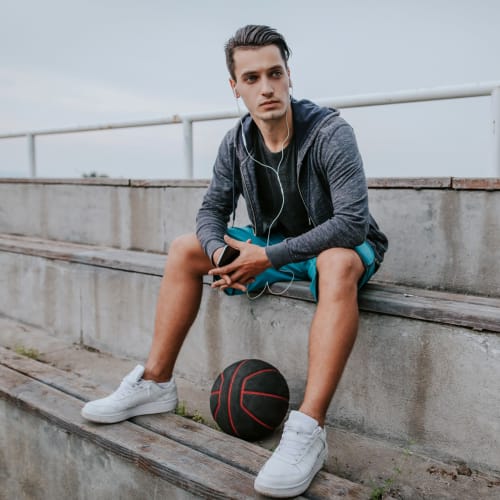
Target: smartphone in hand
point(227, 256)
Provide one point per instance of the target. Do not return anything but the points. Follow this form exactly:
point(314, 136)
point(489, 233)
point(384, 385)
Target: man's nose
point(267, 88)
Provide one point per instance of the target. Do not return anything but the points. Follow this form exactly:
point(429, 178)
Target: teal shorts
point(297, 271)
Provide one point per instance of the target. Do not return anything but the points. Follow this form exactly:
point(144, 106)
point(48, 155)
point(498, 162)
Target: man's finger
point(223, 271)
point(234, 243)
point(223, 280)
point(222, 285)
point(239, 286)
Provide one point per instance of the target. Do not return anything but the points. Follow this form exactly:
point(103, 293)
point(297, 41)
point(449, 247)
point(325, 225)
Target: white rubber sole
point(144, 409)
point(291, 490)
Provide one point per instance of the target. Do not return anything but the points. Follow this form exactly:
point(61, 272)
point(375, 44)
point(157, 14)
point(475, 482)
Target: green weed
point(181, 409)
point(198, 417)
point(378, 492)
point(25, 351)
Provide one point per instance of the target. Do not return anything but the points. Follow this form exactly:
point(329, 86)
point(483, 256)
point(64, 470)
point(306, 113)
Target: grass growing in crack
point(181, 409)
point(25, 351)
point(378, 492)
point(196, 416)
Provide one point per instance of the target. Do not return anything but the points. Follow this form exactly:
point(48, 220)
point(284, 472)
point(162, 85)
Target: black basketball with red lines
point(249, 399)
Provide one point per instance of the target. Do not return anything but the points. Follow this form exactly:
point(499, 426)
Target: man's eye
point(250, 79)
point(277, 74)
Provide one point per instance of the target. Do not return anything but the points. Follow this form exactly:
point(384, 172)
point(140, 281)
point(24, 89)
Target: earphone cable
point(280, 211)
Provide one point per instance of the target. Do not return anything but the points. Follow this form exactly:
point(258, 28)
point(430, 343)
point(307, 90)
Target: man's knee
point(339, 267)
point(186, 248)
point(186, 243)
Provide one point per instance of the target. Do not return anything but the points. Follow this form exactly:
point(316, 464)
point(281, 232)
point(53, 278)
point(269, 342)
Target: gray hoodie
point(331, 183)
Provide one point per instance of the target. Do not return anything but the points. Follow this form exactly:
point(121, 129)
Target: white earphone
point(275, 171)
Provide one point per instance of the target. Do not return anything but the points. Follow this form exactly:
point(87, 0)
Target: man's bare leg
point(333, 329)
point(303, 448)
point(178, 303)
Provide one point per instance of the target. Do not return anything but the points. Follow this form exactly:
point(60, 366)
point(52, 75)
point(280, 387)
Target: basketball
point(249, 399)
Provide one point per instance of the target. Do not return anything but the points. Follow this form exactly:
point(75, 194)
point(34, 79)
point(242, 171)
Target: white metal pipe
point(415, 95)
point(495, 107)
point(94, 128)
point(399, 97)
point(211, 115)
point(32, 154)
point(341, 101)
point(175, 119)
point(187, 128)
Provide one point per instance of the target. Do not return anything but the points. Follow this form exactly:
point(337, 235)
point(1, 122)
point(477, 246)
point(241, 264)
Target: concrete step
point(444, 233)
point(475, 312)
point(424, 368)
point(165, 455)
point(44, 381)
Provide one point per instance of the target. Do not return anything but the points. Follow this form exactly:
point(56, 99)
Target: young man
point(298, 167)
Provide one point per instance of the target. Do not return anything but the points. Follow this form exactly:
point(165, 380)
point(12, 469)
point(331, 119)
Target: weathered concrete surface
point(177, 464)
point(476, 312)
point(440, 237)
point(45, 294)
point(51, 463)
point(405, 473)
point(117, 216)
point(353, 456)
point(187, 454)
point(406, 380)
point(122, 216)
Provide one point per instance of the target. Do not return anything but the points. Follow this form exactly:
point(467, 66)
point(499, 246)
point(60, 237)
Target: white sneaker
point(300, 455)
point(135, 396)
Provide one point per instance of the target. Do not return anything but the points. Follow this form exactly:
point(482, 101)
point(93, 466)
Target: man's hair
point(254, 36)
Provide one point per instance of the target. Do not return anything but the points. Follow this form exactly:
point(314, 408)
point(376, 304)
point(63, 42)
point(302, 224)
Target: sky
point(65, 63)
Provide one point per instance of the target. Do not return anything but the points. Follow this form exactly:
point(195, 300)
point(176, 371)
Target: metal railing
point(491, 89)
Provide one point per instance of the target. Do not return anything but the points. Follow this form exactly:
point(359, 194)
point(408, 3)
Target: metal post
point(187, 126)
point(495, 107)
point(32, 154)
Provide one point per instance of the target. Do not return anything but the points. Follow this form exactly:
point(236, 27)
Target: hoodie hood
point(307, 119)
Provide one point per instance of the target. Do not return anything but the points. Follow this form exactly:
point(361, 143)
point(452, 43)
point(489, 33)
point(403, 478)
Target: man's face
point(263, 81)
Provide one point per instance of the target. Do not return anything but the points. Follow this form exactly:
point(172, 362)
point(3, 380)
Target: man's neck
point(277, 134)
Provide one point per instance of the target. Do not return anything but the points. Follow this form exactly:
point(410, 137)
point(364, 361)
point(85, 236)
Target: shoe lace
point(293, 443)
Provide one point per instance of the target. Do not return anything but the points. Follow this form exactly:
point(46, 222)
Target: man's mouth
point(269, 103)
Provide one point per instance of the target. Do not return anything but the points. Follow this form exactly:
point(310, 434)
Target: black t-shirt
point(293, 219)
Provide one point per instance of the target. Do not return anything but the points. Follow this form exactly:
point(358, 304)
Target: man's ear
point(233, 87)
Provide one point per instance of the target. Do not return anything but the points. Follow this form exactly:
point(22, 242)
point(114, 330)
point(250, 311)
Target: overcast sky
point(67, 63)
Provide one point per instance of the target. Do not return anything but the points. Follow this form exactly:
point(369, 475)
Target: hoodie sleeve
point(219, 200)
point(347, 225)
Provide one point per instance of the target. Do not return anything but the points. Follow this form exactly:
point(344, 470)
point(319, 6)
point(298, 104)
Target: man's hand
point(242, 271)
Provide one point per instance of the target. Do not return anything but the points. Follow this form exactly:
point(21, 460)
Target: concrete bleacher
point(80, 267)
